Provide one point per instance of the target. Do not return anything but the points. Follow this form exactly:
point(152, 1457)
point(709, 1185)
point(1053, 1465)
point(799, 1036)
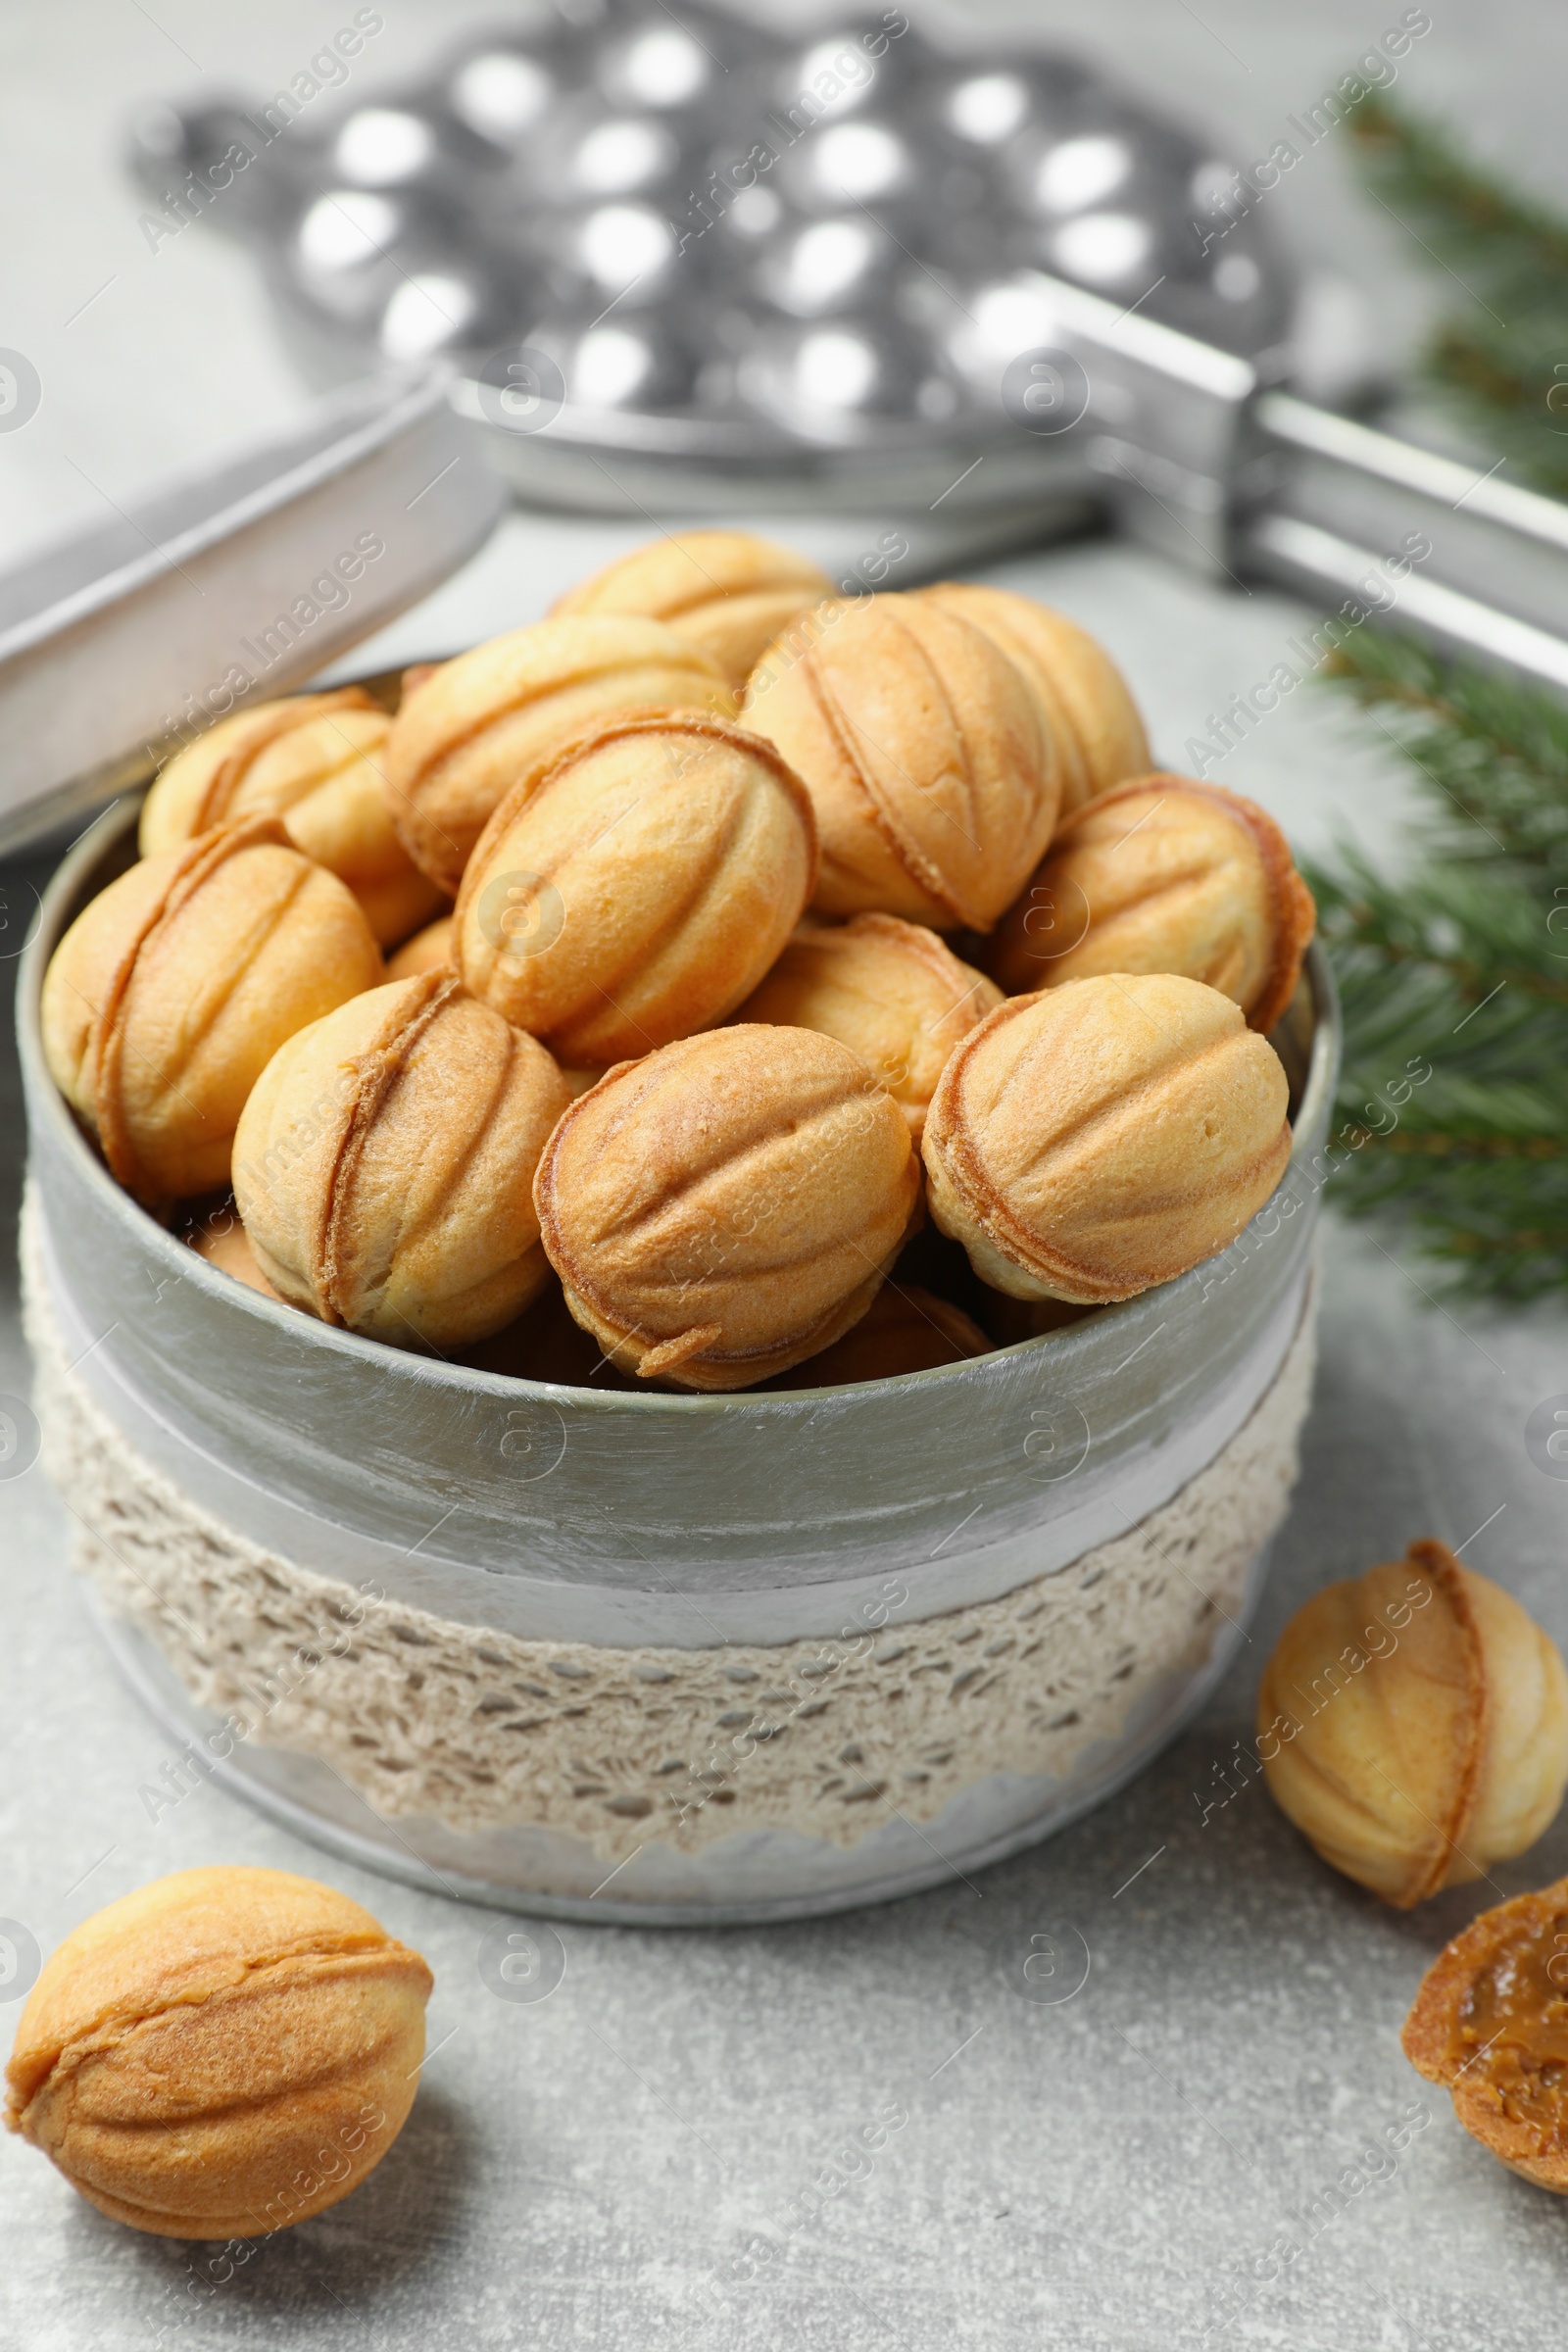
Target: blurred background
point(155, 349)
point(150, 358)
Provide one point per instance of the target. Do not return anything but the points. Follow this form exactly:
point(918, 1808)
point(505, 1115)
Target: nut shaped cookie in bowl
point(1415, 1724)
point(214, 781)
point(425, 952)
point(934, 776)
point(222, 2053)
point(1010, 1320)
point(1089, 1142)
point(219, 1240)
point(1490, 2023)
point(728, 1205)
point(175, 987)
point(729, 592)
point(1097, 725)
point(315, 763)
point(904, 1329)
point(384, 1166)
point(889, 990)
point(470, 730)
point(638, 886)
point(1164, 875)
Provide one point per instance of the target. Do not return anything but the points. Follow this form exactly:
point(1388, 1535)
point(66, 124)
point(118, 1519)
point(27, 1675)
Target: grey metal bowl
point(558, 1512)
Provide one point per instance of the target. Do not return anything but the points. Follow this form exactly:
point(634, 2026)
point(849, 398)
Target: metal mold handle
point(1201, 454)
point(1338, 498)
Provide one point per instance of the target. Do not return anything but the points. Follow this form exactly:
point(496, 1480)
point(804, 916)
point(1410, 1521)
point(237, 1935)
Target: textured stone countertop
point(645, 2157)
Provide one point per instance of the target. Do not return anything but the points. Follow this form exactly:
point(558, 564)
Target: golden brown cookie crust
point(220, 1241)
point(465, 733)
point(687, 930)
point(890, 990)
point(186, 2052)
point(1418, 1722)
point(924, 752)
point(383, 1172)
point(194, 791)
point(1161, 1044)
point(730, 592)
point(425, 952)
point(1088, 707)
point(176, 984)
point(1449, 1666)
point(1290, 916)
point(904, 1329)
point(728, 1205)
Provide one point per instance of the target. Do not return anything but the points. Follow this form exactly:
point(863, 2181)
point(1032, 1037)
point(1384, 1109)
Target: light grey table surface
point(642, 2159)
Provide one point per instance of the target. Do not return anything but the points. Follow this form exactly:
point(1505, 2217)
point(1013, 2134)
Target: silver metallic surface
point(1335, 499)
point(497, 1577)
point(1133, 2061)
point(554, 167)
point(233, 583)
point(852, 267)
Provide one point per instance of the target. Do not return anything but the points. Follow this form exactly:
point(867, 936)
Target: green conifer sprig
point(1470, 217)
point(1452, 1111)
point(1514, 383)
point(1502, 361)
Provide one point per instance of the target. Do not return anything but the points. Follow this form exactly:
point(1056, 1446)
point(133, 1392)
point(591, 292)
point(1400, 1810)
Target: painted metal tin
point(559, 1514)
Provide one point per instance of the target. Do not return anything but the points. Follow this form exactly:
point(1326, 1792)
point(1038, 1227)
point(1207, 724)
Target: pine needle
point(1470, 216)
point(1452, 1113)
point(1502, 364)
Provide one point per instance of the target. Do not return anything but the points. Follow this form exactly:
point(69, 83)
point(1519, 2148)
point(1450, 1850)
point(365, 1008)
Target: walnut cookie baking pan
point(571, 1644)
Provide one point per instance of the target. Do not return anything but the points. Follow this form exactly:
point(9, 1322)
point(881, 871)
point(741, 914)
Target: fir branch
point(1471, 218)
point(1494, 753)
point(1515, 381)
point(1452, 1112)
point(1503, 365)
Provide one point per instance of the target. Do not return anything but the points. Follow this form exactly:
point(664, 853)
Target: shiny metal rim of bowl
point(491, 1498)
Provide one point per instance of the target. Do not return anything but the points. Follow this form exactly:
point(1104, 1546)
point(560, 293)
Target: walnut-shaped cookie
point(470, 730)
point(425, 952)
point(384, 1166)
point(315, 763)
point(889, 990)
point(729, 592)
point(175, 987)
point(1164, 875)
point(547, 1343)
point(220, 1241)
point(934, 776)
point(638, 887)
point(727, 1206)
point(1010, 1320)
point(1413, 1724)
point(1092, 1141)
point(1096, 723)
point(1490, 2024)
point(220, 2054)
point(904, 1329)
